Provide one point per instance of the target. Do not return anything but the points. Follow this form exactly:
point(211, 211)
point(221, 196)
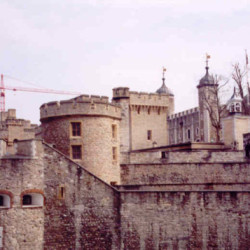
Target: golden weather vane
point(163, 71)
point(207, 57)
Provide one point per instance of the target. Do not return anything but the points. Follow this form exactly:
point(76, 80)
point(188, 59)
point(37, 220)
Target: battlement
point(18, 122)
point(184, 113)
point(92, 98)
point(141, 98)
point(10, 114)
point(81, 105)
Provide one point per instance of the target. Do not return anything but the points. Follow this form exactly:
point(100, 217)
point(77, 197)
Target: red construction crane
point(51, 91)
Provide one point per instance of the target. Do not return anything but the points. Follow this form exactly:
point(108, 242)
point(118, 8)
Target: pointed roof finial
point(163, 74)
point(207, 57)
point(207, 79)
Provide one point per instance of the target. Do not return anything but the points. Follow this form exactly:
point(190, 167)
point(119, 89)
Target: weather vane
point(207, 57)
point(163, 71)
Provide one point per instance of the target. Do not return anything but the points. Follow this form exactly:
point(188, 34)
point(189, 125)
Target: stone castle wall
point(184, 220)
point(22, 226)
point(195, 156)
point(184, 126)
point(12, 129)
point(85, 216)
point(143, 120)
point(183, 173)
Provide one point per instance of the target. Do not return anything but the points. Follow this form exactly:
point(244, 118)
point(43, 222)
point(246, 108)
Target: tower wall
point(97, 143)
point(144, 118)
point(207, 99)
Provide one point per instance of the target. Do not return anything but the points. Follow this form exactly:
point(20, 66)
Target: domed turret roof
point(206, 79)
point(164, 90)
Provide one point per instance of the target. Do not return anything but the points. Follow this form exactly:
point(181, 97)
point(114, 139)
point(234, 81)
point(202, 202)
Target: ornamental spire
point(163, 75)
point(207, 57)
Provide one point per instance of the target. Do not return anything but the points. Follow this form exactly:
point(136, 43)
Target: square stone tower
point(144, 118)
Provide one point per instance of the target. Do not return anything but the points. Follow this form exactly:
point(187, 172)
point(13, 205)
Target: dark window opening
point(76, 128)
point(76, 152)
point(1, 200)
point(149, 134)
point(114, 131)
point(247, 150)
point(114, 153)
point(163, 155)
point(62, 192)
point(189, 134)
point(27, 199)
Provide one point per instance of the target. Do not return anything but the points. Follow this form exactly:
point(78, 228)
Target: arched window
point(32, 198)
point(5, 199)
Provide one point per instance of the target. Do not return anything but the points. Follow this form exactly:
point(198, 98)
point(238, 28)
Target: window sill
point(32, 206)
point(4, 207)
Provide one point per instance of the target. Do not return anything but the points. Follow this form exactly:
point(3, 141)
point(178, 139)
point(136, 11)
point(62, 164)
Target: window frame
point(75, 132)
point(72, 151)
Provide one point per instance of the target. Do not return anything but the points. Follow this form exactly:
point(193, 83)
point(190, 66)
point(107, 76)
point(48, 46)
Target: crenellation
point(183, 113)
point(92, 106)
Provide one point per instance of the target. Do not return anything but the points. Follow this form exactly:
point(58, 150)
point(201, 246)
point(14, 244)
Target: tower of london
point(126, 173)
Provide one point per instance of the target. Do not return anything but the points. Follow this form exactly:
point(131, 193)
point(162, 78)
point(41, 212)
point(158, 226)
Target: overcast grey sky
point(93, 46)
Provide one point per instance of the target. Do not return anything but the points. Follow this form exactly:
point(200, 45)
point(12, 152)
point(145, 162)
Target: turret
point(206, 94)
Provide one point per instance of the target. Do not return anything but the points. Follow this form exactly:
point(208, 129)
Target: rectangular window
point(114, 131)
point(114, 153)
point(76, 152)
point(149, 134)
point(61, 192)
point(76, 128)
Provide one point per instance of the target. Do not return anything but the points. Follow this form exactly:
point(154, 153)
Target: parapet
point(81, 105)
point(141, 98)
point(31, 148)
point(152, 99)
point(184, 113)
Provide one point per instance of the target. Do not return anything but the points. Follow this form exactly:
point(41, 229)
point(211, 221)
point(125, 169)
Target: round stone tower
point(86, 129)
